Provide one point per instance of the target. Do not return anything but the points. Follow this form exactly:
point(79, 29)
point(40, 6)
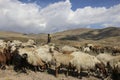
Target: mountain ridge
point(74, 35)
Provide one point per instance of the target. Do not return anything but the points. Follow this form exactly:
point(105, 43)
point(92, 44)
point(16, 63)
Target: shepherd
point(49, 39)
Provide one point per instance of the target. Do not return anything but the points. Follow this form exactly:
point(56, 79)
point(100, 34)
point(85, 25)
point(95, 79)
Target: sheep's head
point(51, 49)
point(24, 56)
point(32, 42)
point(13, 48)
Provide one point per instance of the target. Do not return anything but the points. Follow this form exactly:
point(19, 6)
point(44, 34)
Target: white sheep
point(3, 44)
point(29, 43)
point(61, 60)
point(82, 61)
point(68, 49)
point(86, 49)
point(43, 53)
point(104, 58)
point(89, 45)
point(17, 42)
point(32, 56)
point(2, 48)
point(114, 63)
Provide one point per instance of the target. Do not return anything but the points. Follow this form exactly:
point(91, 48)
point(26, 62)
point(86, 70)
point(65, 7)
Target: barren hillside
point(109, 35)
point(96, 34)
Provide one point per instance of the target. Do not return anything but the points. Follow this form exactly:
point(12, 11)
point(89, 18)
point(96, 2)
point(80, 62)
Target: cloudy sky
point(47, 16)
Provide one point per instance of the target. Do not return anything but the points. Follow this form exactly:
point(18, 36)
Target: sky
point(48, 16)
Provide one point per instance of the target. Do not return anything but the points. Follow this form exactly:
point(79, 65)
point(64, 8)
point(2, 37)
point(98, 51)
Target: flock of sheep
point(28, 55)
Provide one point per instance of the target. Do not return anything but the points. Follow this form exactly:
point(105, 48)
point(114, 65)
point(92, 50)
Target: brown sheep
point(97, 49)
point(2, 60)
point(115, 50)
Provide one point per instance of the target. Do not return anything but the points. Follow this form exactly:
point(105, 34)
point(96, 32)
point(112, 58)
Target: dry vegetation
point(10, 74)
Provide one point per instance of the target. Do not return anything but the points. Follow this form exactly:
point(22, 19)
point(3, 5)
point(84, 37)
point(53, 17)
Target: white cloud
point(31, 18)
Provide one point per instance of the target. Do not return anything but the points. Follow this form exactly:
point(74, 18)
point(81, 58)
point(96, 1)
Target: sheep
point(114, 67)
point(104, 58)
point(19, 61)
point(32, 42)
point(61, 60)
point(29, 56)
point(29, 43)
point(5, 56)
point(82, 61)
point(117, 67)
point(2, 49)
point(17, 42)
point(113, 63)
point(43, 53)
point(68, 49)
point(6, 51)
point(86, 49)
point(97, 49)
point(90, 45)
point(3, 44)
point(108, 49)
point(115, 50)
point(2, 60)
point(35, 56)
point(32, 57)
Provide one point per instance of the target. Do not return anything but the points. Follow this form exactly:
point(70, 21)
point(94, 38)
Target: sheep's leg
point(67, 72)
point(89, 73)
point(96, 51)
point(35, 68)
point(73, 72)
point(24, 70)
point(79, 76)
point(49, 65)
point(56, 71)
point(38, 68)
point(3, 66)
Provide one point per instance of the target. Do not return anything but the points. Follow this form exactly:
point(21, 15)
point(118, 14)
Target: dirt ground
point(10, 74)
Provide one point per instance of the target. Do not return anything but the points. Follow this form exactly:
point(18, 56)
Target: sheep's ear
point(50, 50)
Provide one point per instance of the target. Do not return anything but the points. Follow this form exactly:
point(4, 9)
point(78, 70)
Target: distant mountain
point(69, 35)
point(95, 34)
